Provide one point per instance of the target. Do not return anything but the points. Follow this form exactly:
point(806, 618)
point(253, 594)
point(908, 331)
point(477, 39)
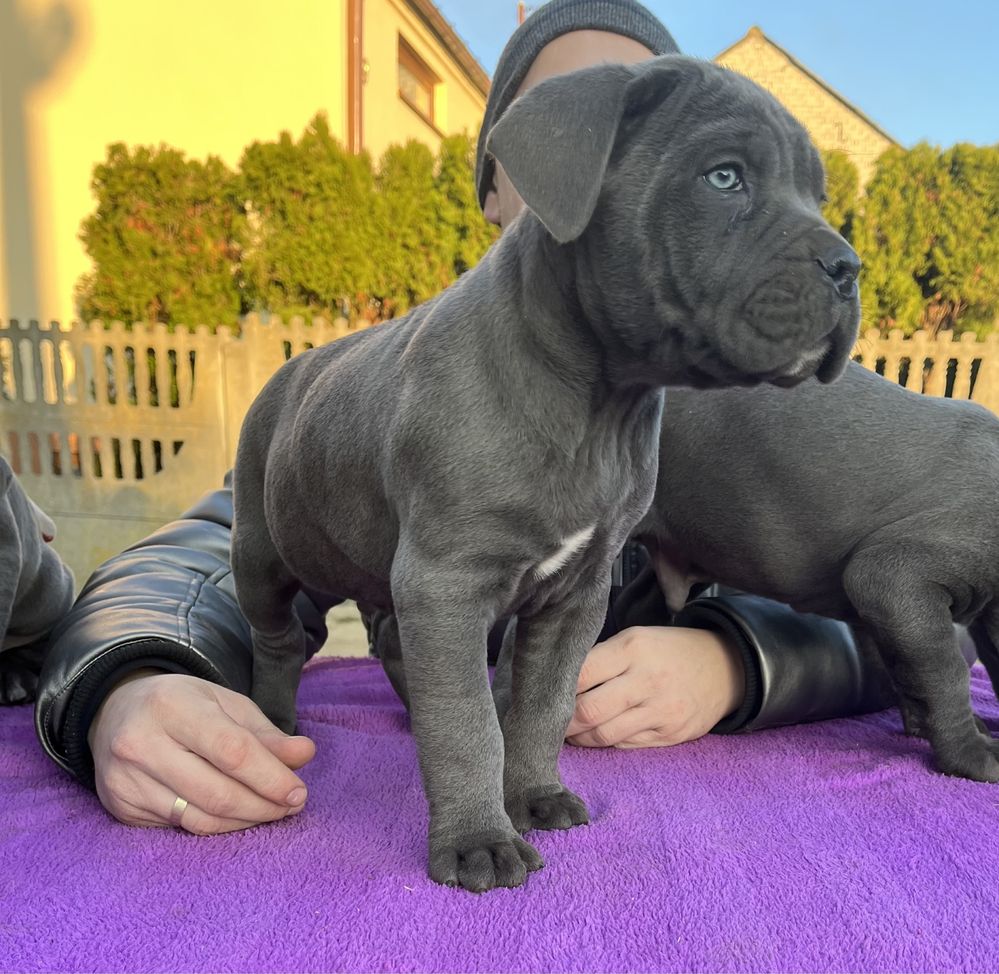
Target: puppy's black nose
point(842, 264)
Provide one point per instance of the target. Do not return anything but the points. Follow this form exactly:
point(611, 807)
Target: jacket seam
point(184, 610)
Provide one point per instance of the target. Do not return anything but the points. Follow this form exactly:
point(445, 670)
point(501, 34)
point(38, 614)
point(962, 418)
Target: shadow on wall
point(37, 40)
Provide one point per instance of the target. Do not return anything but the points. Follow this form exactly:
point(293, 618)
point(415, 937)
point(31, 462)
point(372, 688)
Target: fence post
point(936, 381)
point(986, 391)
point(247, 363)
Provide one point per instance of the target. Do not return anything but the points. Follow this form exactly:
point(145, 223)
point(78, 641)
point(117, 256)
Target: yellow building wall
point(204, 76)
point(830, 123)
point(387, 119)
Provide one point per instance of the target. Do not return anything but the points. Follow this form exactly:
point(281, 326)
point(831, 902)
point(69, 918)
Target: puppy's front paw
point(976, 758)
point(546, 809)
point(483, 862)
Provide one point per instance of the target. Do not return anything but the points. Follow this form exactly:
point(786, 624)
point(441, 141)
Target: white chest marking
point(569, 547)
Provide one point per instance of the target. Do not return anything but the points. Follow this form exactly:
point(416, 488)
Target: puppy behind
point(860, 501)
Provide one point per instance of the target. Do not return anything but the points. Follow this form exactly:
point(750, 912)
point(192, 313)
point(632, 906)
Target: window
point(416, 82)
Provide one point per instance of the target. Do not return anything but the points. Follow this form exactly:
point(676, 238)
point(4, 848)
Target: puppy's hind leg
point(895, 594)
point(384, 641)
point(265, 589)
point(503, 674)
point(984, 631)
point(881, 689)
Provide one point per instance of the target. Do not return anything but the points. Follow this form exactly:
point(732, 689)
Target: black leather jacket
point(169, 602)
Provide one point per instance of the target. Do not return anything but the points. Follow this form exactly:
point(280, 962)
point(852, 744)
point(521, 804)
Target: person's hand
point(655, 686)
point(162, 736)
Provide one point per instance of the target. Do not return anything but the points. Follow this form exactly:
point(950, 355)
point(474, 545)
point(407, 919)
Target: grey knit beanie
point(555, 18)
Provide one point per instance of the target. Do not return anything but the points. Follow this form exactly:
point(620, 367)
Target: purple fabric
point(828, 847)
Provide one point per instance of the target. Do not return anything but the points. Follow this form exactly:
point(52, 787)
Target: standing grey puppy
point(490, 452)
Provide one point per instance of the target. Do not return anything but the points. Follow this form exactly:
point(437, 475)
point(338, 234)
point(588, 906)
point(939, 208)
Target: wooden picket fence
point(115, 430)
point(959, 367)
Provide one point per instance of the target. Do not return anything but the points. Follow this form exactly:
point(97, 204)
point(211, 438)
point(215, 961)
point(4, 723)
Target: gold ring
point(177, 812)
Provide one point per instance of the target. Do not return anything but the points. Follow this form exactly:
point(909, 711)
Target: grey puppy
point(860, 501)
point(490, 452)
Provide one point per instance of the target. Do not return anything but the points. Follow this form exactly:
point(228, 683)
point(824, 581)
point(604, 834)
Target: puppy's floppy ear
point(555, 140)
point(657, 79)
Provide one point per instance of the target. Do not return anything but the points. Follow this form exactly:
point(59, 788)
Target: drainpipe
point(355, 75)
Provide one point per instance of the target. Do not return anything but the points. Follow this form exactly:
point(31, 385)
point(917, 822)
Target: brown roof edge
point(454, 45)
point(755, 31)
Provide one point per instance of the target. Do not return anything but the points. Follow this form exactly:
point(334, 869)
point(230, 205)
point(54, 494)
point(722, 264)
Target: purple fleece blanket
point(828, 847)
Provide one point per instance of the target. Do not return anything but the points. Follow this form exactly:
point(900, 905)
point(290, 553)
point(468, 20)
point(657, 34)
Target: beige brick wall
point(830, 122)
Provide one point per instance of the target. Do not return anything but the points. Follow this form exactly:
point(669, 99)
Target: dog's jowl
point(489, 453)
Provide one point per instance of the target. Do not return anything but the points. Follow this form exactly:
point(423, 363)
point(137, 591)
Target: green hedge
point(302, 227)
point(305, 227)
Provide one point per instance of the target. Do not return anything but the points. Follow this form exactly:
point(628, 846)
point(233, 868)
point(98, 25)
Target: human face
point(569, 52)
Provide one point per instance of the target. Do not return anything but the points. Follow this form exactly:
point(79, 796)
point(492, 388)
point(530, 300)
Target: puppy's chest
point(587, 538)
point(561, 566)
point(571, 548)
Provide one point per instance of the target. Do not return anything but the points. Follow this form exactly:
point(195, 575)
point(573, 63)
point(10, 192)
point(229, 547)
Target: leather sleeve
point(798, 667)
point(167, 602)
point(36, 589)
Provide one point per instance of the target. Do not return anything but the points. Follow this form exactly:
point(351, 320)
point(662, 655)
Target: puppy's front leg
point(548, 652)
point(472, 841)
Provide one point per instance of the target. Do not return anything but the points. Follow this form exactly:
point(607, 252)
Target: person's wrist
point(734, 674)
point(736, 652)
point(130, 677)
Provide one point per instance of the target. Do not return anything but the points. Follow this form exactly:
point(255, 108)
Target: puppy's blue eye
point(725, 178)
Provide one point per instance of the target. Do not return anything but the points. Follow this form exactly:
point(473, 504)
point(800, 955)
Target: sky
point(921, 70)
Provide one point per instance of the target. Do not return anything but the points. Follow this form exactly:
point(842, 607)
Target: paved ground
point(347, 634)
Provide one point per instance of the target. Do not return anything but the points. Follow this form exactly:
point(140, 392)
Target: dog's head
point(692, 200)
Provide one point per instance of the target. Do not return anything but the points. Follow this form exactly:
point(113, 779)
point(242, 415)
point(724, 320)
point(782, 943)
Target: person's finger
point(620, 728)
point(195, 819)
point(605, 702)
point(216, 793)
point(135, 798)
point(242, 710)
point(293, 752)
point(239, 754)
point(130, 812)
point(604, 662)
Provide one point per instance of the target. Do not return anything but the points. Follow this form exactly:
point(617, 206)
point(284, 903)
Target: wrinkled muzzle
point(802, 317)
